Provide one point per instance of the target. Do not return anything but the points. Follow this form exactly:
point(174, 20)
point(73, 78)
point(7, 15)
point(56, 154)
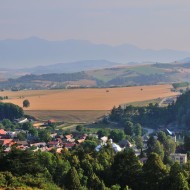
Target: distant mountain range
point(32, 52)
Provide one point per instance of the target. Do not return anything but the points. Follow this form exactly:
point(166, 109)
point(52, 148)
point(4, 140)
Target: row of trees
point(4, 97)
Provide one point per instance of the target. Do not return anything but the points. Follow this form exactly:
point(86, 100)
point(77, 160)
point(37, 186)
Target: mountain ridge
point(31, 52)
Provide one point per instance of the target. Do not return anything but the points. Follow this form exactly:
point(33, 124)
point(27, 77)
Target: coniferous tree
point(127, 169)
point(72, 180)
point(180, 182)
point(154, 173)
point(138, 129)
point(128, 128)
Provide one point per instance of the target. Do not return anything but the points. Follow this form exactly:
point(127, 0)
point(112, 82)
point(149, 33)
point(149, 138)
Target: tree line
point(10, 111)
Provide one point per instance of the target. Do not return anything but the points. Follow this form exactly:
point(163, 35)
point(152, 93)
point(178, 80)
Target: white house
point(115, 147)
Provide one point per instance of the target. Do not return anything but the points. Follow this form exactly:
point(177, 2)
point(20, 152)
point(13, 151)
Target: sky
point(154, 24)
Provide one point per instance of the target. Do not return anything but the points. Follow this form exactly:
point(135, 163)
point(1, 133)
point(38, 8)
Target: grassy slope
point(108, 74)
point(159, 73)
point(144, 103)
point(148, 70)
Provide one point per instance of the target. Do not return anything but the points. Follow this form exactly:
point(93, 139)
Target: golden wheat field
point(86, 99)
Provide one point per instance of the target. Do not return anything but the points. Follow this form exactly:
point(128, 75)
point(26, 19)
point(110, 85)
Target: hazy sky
point(145, 23)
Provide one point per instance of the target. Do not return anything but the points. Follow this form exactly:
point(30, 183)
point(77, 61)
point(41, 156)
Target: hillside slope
point(108, 77)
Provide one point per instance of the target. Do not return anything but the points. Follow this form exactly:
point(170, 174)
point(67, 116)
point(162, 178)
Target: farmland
point(68, 116)
point(77, 102)
point(87, 99)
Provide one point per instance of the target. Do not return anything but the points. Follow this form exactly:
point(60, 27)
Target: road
point(161, 102)
point(167, 100)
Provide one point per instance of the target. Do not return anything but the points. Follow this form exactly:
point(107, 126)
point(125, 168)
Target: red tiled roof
point(69, 145)
point(6, 141)
point(53, 142)
point(21, 147)
point(3, 132)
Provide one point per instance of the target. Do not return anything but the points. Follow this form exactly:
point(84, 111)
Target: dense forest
point(83, 168)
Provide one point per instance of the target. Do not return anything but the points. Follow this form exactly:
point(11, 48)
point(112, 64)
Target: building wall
point(181, 158)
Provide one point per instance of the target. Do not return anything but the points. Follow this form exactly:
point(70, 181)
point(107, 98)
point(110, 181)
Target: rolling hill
point(108, 77)
point(71, 67)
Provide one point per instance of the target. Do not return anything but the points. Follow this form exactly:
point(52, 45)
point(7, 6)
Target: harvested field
point(78, 116)
point(87, 99)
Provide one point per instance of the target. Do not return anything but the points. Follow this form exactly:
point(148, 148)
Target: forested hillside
point(154, 116)
point(45, 81)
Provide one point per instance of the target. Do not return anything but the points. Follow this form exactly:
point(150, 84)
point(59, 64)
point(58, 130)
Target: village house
point(104, 139)
point(7, 142)
point(3, 132)
point(79, 141)
point(181, 158)
point(22, 143)
point(59, 140)
point(69, 138)
point(125, 143)
point(22, 147)
point(22, 120)
point(39, 144)
point(69, 145)
point(53, 144)
point(59, 150)
point(115, 147)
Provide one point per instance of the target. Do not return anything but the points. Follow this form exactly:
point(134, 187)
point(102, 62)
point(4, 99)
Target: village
point(57, 142)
